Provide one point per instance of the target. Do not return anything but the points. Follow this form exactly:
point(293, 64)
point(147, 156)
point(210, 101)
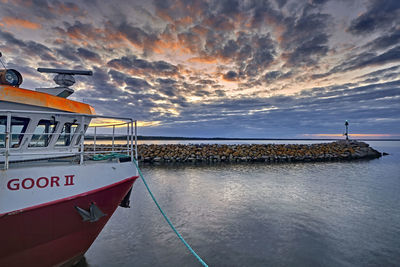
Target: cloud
point(309, 52)
point(88, 55)
point(326, 109)
point(63, 8)
point(385, 41)
point(202, 66)
point(206, 81)
point(363, 60)
point(21, 23)
point(379, 15)
point(263, 55)
point(305, 39)
point(80, 31)
point(263, 13)
point(175, 10)
point(69, 53)
point(230, 76)
point(117, 76)
point(369, 59)
point(11, 40)
point(277, 75)
point(382, 72)
point(31, 48)
point(137, 37)
point(137, 83)
point(190, 41)
point(142, 66)
point(40, 9)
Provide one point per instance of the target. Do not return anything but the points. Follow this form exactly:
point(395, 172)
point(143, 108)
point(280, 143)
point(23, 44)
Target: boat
point(58, 185)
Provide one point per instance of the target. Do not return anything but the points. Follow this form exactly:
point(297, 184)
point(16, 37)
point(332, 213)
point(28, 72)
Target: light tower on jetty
point(347, 130)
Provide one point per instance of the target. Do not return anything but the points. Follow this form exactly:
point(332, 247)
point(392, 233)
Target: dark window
point(18, 128)
point(3, 125)
point(67, 133)
point(79, 137)
point(43, 133)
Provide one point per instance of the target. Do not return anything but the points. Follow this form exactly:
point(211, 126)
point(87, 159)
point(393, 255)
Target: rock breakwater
point(270, 153)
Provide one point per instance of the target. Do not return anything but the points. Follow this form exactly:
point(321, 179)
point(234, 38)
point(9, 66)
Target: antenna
point(64, 79)
point(2, 61)
point(63, 71)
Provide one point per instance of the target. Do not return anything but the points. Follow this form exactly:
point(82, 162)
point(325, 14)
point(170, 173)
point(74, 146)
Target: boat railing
point(94, 135)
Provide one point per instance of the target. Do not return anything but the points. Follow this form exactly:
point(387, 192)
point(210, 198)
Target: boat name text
point(41, 182)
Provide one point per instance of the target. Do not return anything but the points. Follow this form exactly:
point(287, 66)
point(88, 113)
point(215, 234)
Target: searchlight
point(10, 77)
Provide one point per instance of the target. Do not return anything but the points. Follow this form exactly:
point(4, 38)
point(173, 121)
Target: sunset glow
point(355, 135)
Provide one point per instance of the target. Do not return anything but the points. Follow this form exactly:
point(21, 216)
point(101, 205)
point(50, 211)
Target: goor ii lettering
point(41, 182)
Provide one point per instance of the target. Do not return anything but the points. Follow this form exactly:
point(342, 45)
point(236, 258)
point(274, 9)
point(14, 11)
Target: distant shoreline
point(159, 138)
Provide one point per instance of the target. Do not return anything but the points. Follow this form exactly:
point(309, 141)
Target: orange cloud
point(21, 23)
point(184, 21)
point(205, 59)
point(164, 15)
point(222, 24)
point(62, 8)
point(200, 30)
point(160, 46)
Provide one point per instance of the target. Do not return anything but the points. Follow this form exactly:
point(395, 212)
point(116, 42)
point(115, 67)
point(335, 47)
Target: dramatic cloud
point(277, 68)
point(143, 66)
point(89, 55)
point(22, 23)
point(379, 15)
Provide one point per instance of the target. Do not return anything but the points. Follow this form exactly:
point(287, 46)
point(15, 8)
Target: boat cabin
point(40, 123)
point(43, 123)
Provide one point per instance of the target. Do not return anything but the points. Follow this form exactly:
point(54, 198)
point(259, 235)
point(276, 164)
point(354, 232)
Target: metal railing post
point(82, 139)
point(94, 141)
point(113, 133)
point(136, 152)
point(131, 125)
point(127, 139)
point(7, 140)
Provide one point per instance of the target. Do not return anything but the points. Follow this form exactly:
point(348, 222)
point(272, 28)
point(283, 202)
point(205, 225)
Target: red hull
point(54, 233)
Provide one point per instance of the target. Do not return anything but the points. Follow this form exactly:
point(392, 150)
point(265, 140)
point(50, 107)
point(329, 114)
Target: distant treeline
point(142, 137)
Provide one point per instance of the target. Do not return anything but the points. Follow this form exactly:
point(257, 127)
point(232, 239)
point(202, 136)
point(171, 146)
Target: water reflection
point(302, 214)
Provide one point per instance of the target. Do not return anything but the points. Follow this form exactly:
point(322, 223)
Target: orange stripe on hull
point(34, 98)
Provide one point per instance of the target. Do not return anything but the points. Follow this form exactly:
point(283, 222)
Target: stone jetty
point(270, 153)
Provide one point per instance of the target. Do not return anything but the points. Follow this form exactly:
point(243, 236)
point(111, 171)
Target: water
point(302, 214)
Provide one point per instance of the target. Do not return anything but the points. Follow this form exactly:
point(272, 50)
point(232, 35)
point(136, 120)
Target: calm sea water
point(302, 214)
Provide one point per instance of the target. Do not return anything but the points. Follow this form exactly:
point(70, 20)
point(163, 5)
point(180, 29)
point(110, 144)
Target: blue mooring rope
point(167, 219)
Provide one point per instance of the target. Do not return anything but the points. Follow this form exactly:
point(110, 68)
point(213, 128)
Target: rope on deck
point(109, 156)
point(167, 219)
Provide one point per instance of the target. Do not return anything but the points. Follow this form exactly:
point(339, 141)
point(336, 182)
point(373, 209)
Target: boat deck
point(30, 138)
point(64, 161)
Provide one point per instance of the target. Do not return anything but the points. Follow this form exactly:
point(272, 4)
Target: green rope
point(167, 219)
point(109, 156)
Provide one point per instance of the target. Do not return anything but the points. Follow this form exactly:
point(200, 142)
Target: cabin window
point(67, 133)
point(3, 125)
point(78, 140)
point(43, 133)
point(18, 128)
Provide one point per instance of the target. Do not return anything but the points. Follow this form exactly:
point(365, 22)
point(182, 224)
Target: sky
point(222, 68)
